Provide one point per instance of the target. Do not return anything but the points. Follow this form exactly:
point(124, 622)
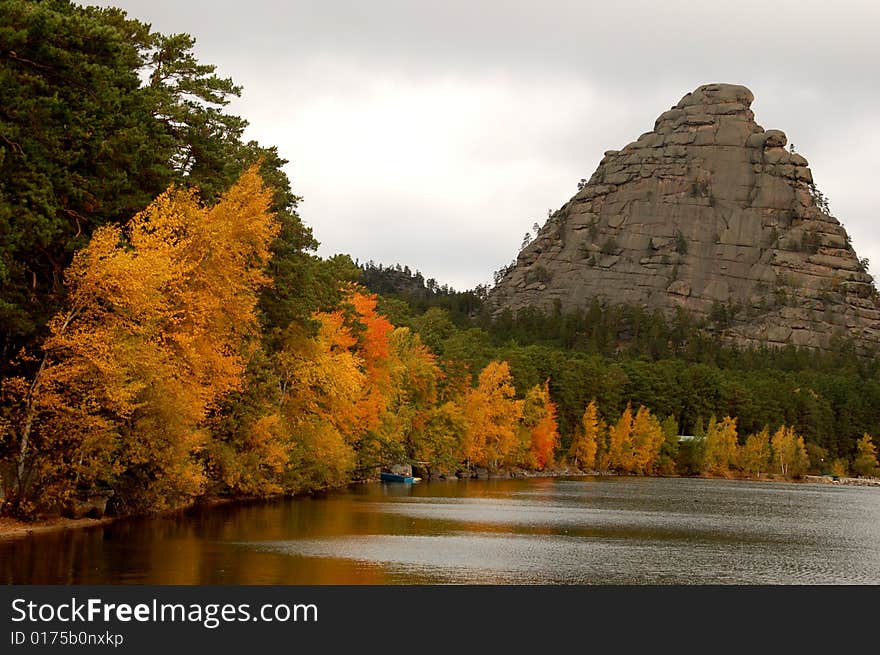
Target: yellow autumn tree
point(720, 446)
point(412, 394)
point(359, 392)
point(789, 452)
point(620, 442)
point(839, 468)
point(754, 455)
point(865, 463)
point(491, 414)
point(439, 441)
point(586, 439)
point(322, 382)
point(248, 452)
point(603, 448)
point(160, 321)
point(647, 440)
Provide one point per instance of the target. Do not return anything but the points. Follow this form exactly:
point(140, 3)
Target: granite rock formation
point(706, 211)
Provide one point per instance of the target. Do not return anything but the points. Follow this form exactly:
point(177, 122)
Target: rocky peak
point(708, 210)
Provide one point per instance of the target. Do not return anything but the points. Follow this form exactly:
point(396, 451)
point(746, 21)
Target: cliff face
point(707, 211)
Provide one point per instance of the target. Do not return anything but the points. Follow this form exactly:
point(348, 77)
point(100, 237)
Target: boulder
point(91, 505)
point(775, 139)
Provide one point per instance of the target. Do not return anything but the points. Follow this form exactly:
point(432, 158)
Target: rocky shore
point(856, 482)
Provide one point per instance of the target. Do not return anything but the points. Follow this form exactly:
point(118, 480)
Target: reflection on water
point(581, 530)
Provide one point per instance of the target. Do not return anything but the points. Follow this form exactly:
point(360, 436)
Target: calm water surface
point(558, 531)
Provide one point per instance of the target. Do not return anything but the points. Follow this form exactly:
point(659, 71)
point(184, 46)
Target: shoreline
point(15, 529)
point(11, 528)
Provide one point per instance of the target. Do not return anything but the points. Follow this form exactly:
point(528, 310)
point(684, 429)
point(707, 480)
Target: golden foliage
point(491, 413)
point(586, 441)
point(620, 443)
point(789, 452)
point(866, 457)
point(154, 382)
point(647, 439)
point(439, 441)
point(159, 323)
point(720, 446)
point(754, 455)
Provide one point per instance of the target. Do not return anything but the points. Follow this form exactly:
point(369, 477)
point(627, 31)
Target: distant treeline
point(678, 366)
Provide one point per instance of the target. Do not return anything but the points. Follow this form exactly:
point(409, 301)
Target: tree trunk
point(31, 409)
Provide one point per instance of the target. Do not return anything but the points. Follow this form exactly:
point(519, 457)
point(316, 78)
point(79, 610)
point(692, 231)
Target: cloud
point(419, 172)
point(435, 134)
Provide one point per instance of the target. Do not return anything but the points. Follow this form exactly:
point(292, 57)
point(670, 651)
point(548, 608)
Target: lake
point(605, 530)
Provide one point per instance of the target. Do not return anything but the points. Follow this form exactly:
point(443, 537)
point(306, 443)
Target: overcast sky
point(435, 134)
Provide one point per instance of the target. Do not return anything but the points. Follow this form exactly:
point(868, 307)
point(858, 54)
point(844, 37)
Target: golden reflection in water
point(552, 530)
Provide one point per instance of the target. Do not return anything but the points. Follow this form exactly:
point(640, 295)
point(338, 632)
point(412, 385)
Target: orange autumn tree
point(387, 408)
point(540, 430)
point(372, 333)
point(290, 428)
point(322, 381)
point(159, 322)
point(372, 430)
point(491, 413)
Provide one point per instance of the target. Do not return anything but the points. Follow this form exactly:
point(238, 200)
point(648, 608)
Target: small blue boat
point(394, 477)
